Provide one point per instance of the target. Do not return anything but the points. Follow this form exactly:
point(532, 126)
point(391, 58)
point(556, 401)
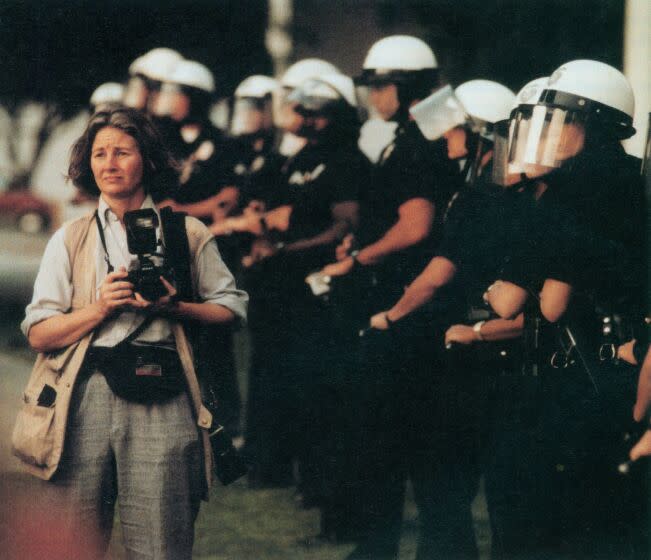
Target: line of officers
point(449, 287)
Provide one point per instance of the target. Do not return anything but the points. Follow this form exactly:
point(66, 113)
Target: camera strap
point(100, 229)
point(177, 251)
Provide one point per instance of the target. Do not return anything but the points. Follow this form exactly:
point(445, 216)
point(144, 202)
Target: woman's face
point(116, 163)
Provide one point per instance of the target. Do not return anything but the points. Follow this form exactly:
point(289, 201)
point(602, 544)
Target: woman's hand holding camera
point(115, 293)
point(166, 304)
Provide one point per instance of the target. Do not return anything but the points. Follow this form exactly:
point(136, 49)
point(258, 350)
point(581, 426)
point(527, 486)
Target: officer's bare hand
point(344, 247)
point(255, 207)
point(279, 218)
point(643, 399)
point(261, 249)
point(340, 268)
point(505, 298)
point(244, 222)
point(163, 305)
point(115, 292)
point(379, 321)
point(460, 334)
point(642, 448)
point(625, 352)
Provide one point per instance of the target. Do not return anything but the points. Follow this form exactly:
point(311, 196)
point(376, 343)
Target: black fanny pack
point(139, 373)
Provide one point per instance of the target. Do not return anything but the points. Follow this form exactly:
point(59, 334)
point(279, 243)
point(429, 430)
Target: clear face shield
point(136, 93)
point(437, 114)
point(546, 139)
point(251, 115)
point(376, 95)
point(501, 172)
point(365, 109)
point(519, 127)
point(314, 96)
point(284, 115)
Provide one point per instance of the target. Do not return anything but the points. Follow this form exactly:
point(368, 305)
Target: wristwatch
point(477, 329)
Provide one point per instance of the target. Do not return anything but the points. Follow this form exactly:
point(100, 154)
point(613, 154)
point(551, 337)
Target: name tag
point(149, 370)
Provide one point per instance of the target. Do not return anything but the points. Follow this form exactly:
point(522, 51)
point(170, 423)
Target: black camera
point(141, 228)
point(228, 463)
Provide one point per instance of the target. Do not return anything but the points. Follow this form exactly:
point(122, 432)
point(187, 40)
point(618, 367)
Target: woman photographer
point(129, 433)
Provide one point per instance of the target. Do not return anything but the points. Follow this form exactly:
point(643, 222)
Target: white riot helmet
point(476, 104)
point(159, 63)
point(304, 69)
point(325, 93)
point(402, 60)
point(392, 58)
point(192, 74)
point(189, 79)
point(252, 107)
point(331, 96)
point(296, 74)
point(584, 100)
point(146, 74)
point(109, 93)
point(256, 86)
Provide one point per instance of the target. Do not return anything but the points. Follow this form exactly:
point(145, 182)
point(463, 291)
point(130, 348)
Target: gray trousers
point(147, 457)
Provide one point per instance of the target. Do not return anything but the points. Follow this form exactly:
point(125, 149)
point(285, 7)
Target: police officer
point(585, 237)
point(410, 185)
point(146, 74)
point(204, 189)
point(320, 189)
point(257, 175)
point(205, 183)
point(285, 118)
point(256, 163)
point(464, 264)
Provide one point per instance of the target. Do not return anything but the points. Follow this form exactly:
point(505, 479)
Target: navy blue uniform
point(401, 368)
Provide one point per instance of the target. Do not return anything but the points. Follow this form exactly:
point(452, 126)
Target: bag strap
point(133, 335)
point(177, 251)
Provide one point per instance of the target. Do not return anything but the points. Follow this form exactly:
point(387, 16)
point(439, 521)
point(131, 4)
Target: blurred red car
point(25, 211)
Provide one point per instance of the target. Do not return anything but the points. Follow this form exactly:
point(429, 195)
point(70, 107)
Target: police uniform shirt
point(257, 173)
point(409, 168)
point(317, 178)
point(588, 228)
point(477, 233)
point(207, 165)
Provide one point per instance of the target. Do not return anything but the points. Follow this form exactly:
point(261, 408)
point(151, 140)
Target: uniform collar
point(107, 216)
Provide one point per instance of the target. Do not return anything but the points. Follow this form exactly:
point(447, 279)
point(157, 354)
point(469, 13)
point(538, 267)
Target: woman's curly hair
point(159, 168)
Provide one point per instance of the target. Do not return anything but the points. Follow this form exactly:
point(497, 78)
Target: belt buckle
point(607, 351)
point(559, 360)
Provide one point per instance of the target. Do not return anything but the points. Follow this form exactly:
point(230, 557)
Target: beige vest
point(39, 433)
